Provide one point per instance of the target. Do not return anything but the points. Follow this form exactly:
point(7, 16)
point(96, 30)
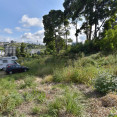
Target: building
point(34, 51)
point(10, 50)
point(2, 53)
point(1, 44)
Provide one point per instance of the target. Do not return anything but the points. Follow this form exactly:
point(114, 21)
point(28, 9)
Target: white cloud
point(29, 22)
point(6, 39)
point(8, 30)
point(19, 29)
point(27, 37)
point(33, 37)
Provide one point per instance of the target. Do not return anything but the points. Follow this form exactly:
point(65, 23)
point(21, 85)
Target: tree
point(52, 23)
point(94, 11)
point(66, 30)
point(22, 50)
point(17, 52)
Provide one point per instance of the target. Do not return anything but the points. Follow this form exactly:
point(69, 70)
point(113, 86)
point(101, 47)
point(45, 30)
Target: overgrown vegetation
point(97, 70)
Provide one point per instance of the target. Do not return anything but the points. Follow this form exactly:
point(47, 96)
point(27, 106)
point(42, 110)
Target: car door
point(14, 68)
point(18, 68)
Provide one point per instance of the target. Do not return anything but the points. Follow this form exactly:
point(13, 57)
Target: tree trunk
point(95, 31)
point(66, 40)
point(66, 36)
point(76, 33)
point(90, 33)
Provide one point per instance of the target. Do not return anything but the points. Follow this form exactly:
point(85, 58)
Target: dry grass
point(47, 79)
point(110, 100)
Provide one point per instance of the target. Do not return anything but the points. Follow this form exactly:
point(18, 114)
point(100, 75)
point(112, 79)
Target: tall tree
point(52, 23)
point(94, 11)
point(66, 29)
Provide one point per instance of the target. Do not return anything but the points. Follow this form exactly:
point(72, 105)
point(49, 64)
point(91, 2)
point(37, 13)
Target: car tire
point(10, 72)
point(25, 70)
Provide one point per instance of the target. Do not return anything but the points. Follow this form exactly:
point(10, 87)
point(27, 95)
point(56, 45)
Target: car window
point(13, 66)
point(13, 57)
point(18, 66)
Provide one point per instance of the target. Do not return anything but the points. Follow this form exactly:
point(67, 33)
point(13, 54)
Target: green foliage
point(28, 82)
point(106, 82)
point(9, 98)
point(35, 95)
point(18, 52)
point(55, 107)
point(109, 43)
point(113, 113)
point(9, 102)
point(73, 104)
point(88, 47)
point(79, 75)
point(36, 110)
point(70, 102)
point(22, 50)
point(51, 21)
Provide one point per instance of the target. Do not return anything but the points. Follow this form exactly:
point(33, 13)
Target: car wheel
point(25, 70)
point(10, 72)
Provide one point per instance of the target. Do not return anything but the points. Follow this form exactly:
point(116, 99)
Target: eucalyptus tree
point(66, 29)
point(52, 23)
point(94, 11)
point(77, 30)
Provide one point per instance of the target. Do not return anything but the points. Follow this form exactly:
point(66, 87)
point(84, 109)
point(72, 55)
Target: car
point(16, 69)
point(8, 65)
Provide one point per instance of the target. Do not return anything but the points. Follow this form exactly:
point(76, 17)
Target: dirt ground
point(2, 74)
point(94, 106)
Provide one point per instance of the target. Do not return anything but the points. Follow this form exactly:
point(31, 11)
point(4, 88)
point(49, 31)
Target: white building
point(10, 51)
point(2, 53)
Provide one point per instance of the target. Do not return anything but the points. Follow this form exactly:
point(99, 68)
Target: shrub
point(106, 82)
point(85, 62)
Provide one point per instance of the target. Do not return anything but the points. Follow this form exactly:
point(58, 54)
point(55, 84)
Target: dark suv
point(15, 69)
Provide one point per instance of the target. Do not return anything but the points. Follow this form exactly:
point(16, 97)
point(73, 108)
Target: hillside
point(61, 87)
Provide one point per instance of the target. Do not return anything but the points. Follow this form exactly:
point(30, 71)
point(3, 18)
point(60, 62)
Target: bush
point(106, 82)
point(92, 46)
point(109, 42)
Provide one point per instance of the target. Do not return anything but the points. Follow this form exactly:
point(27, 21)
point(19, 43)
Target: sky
point(21, 20)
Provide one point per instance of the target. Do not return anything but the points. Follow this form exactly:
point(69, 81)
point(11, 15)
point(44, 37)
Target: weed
point(36, 110)
point(28, 82)
point(106, 82)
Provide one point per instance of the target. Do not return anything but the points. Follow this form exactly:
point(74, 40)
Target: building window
point(5, 61)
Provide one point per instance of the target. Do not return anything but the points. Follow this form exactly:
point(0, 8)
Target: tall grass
point(81, 74)
point(9, 97)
